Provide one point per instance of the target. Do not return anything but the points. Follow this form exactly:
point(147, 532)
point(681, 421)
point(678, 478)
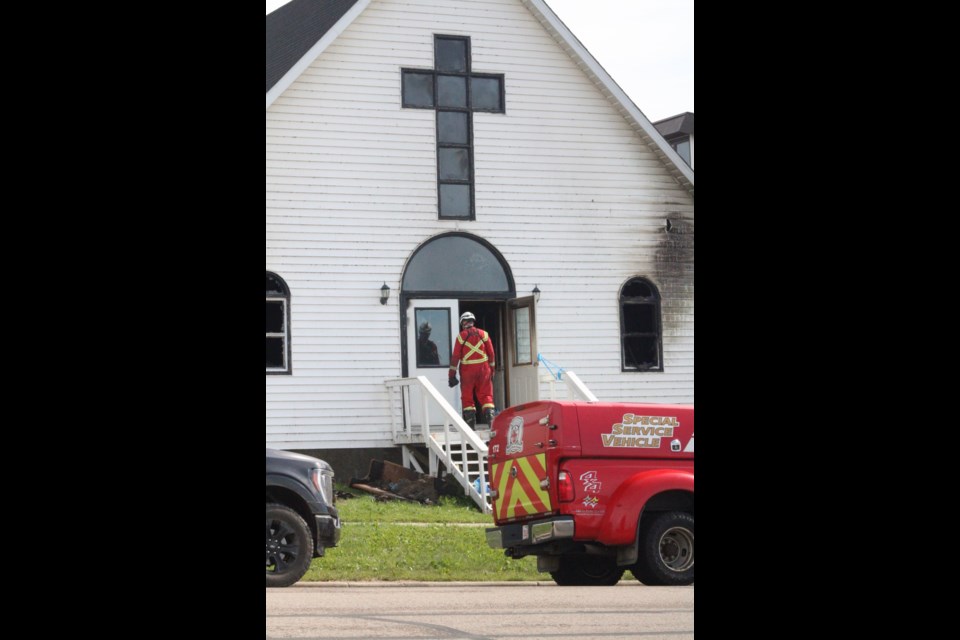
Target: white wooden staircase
point(448, 439)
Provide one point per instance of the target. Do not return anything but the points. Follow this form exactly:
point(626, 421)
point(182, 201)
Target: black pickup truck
point(302, 520)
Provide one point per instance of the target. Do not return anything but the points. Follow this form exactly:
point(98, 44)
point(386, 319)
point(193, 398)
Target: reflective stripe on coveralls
point(475, 348)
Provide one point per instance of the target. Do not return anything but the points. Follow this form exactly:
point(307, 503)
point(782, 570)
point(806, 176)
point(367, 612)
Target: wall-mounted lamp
point(384, 293)
point(536, 293)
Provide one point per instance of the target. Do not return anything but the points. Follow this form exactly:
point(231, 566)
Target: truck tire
point(587, 571)
point(289, 546)
point(666, 549)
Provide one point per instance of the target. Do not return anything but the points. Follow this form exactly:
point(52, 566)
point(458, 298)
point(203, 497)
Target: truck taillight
point(565, 487)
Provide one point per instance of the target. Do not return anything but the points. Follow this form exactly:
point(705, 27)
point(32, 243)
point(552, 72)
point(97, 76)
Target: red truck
point(595, 488)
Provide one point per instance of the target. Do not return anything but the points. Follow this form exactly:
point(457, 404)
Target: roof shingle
point(294, 28)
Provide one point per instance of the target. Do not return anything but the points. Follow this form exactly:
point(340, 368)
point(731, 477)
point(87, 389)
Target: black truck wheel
point(587, 571)
point(289, 546)
point(666, 549)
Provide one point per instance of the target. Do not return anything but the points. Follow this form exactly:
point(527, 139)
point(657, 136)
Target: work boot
point(470, 417)
point(488, 415)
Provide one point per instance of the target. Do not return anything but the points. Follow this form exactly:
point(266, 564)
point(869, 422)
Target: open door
point(431, 330)
point(521, 344)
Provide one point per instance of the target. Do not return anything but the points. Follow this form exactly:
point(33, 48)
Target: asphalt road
point(478, 611)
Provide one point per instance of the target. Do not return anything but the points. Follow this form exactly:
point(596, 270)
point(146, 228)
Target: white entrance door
point(431, 330)
point(521, 344)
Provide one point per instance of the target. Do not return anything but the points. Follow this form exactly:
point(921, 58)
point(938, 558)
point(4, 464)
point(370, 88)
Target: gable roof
point(311, 25)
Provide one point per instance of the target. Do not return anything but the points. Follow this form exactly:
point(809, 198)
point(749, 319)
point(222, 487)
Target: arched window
point(278, 325)
point(640, 333)
point(457, 262)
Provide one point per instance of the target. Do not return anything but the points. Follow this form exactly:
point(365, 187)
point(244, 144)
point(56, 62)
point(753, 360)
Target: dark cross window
point(455, 92)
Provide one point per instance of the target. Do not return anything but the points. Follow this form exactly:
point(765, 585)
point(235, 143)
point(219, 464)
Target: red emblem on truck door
point(515, 436)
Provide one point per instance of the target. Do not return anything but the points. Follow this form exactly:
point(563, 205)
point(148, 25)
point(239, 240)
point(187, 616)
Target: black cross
point(455, 92)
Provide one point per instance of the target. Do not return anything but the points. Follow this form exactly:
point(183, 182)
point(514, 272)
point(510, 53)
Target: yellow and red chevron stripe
point(521, 495)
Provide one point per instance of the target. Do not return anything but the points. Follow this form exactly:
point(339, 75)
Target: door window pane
point(521, 329)
point(433, 337)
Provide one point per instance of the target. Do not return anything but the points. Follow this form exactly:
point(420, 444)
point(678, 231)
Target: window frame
point(282, 296)
point(468, 76)
point(653, 300)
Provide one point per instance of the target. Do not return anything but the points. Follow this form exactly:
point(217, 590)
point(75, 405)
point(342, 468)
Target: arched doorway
point(447, 275)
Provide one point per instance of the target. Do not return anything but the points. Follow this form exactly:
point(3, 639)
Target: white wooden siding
point(566, 190)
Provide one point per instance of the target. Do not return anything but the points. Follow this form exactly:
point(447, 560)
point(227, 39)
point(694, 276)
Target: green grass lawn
point(378, 542)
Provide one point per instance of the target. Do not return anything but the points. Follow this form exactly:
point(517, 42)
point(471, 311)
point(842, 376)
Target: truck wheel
point(289, 546)
point(587, 571)
point(666, 550)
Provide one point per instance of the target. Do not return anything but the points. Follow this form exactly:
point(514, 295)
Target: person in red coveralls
point(473, 351)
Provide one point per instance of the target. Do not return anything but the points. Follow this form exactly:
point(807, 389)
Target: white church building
point(430, 157)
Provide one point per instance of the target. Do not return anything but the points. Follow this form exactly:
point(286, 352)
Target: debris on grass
point(389, 481)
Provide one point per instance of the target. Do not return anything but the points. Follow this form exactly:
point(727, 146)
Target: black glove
point(453, 379)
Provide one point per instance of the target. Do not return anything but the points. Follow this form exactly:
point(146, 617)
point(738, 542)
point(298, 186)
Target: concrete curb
point(411, 583)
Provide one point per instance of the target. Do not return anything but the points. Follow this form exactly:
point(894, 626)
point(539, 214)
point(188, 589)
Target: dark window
point(452, 127)
point(277, 324)
point(417, 89)
point(454, 164)
point(640, 326)
point(445, 88)
point(454, 200)
point(452, 91)
point(486, 93)
point(451, 54)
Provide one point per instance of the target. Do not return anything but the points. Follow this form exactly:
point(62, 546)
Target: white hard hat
point(467, 316)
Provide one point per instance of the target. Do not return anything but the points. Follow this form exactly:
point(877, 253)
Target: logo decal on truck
point(515, 436)
point(591, 501)
point(689, 448)
point(591, 484)
point(640, 431)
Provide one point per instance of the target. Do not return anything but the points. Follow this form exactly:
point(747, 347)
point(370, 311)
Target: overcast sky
point(645, 45)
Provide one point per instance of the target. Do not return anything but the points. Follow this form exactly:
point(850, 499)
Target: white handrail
point(469, 441)
point(577, 387)
point(576, 390)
